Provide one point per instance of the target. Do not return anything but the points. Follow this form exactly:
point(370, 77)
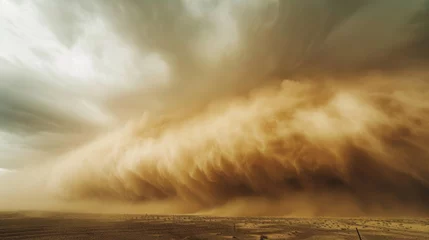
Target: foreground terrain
point(48, 226)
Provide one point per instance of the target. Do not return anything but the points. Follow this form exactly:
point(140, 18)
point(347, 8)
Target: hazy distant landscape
point(49, 225)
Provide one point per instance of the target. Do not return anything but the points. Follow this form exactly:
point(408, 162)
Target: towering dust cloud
point(236, 108)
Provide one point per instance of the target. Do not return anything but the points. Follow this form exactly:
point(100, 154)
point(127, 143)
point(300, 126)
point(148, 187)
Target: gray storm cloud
point(184, 103)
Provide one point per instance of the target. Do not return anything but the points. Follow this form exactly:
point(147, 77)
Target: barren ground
point(48, 226)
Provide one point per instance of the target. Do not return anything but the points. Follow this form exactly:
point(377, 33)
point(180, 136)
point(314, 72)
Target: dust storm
point(308, 123)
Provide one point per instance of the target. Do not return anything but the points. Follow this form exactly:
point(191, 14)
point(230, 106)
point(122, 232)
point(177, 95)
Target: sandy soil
point(48, 226)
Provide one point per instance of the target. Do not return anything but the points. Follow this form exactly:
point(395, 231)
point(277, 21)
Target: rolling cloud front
point(215, 107)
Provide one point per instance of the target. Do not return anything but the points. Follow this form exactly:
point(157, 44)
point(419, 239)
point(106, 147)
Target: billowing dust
point(334, 140)
point(296, 148)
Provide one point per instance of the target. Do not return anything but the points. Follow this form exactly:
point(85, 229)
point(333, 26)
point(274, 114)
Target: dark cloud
point(264, 40)
point(276, 39)
point(40, 116)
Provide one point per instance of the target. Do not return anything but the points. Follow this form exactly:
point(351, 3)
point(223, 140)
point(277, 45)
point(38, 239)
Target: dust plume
point(245, 108)
point(306, 144)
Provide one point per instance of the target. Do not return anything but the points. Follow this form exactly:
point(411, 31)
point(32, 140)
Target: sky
point(64, 64)
point(73, 73)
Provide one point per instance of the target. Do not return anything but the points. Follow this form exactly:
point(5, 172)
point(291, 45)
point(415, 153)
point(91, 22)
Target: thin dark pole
point(360, 238)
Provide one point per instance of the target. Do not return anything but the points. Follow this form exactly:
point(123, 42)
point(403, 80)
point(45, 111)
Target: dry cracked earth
point(50, 226)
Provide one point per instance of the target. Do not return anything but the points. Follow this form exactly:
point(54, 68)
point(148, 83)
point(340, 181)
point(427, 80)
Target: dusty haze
point(215, 107)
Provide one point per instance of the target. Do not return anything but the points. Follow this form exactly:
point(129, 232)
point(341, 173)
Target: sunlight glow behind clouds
point(97, 57)
point(77, 77)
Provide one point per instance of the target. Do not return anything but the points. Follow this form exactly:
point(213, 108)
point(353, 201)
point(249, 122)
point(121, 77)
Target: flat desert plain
point(49, 226)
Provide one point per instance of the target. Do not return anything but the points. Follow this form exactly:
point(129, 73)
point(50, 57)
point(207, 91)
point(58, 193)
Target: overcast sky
point(72, 69)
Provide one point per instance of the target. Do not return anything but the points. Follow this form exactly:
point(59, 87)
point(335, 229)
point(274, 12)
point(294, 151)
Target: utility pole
point(360, 238)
